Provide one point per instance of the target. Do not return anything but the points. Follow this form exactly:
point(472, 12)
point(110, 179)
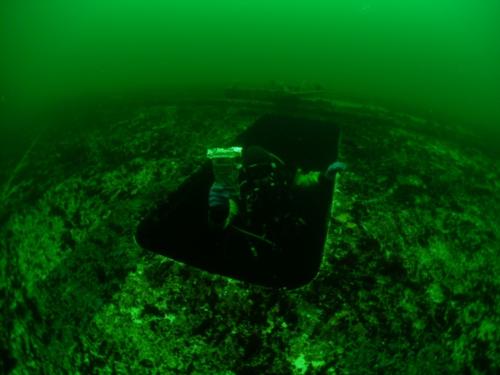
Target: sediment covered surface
point(409, 281)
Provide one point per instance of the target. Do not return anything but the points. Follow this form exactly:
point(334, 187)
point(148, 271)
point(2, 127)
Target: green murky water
point(408, 274)
point(438, 58)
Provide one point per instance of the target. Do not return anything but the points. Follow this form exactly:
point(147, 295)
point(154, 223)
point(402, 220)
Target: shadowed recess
point(177, 227)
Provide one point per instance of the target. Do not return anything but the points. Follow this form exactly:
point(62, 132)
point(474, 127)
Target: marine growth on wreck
point(370, 129)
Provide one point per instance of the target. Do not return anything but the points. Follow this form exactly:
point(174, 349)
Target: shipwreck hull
point(405, 280)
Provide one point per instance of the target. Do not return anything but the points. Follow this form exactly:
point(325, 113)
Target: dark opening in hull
point(178, 227)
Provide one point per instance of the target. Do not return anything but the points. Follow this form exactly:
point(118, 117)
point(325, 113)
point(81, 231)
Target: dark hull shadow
point(178, 227)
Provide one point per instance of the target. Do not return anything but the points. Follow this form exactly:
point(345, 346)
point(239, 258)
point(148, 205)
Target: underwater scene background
point(107, 109)
point(440, 58)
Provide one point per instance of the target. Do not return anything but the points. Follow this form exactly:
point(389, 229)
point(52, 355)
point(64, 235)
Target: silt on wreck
point(407, 281)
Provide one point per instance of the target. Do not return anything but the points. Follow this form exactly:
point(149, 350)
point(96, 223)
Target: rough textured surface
point(409, 281)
